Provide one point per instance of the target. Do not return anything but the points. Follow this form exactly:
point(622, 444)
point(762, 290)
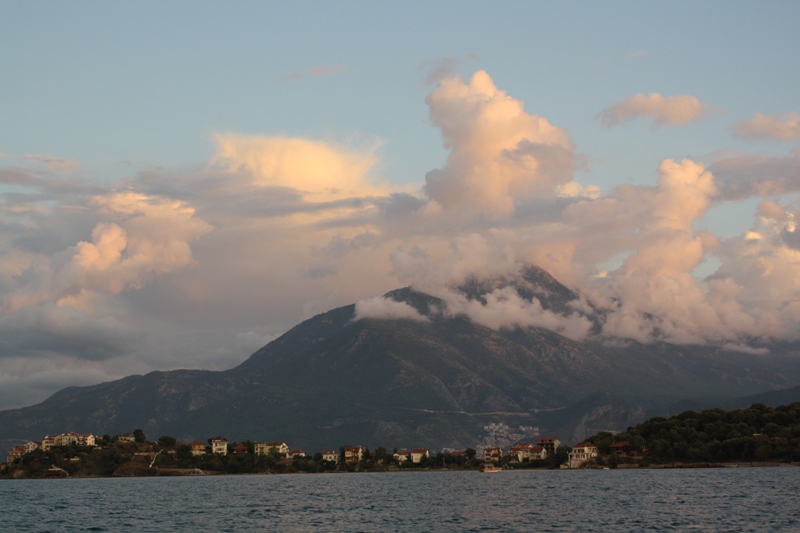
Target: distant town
point(65, 454)
point(756, 435)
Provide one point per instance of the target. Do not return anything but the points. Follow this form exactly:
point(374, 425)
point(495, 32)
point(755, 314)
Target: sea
point(705, 500)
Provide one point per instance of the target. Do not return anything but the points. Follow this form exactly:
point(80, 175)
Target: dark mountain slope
point(333, 380)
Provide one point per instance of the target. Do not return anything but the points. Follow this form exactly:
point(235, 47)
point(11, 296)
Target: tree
point(138, 435)
point(165, 441)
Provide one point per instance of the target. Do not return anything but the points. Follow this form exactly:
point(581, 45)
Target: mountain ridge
point(438, 382)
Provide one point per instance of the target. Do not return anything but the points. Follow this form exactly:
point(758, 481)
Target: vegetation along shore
point(758, 435)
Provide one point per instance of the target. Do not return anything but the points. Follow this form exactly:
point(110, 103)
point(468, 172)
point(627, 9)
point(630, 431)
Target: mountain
point(439, 381)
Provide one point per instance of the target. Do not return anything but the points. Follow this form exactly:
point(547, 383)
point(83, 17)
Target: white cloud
point(386, 309)
point(201, 266)
point(499, 155)
point(670, 110)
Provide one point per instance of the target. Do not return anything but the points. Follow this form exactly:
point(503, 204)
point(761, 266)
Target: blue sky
point(103, 99)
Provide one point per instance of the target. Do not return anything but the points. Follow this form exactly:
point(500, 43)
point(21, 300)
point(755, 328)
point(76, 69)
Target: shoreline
point(200, 473)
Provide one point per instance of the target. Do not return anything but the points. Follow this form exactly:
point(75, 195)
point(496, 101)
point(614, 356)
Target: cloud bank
point(196, 268)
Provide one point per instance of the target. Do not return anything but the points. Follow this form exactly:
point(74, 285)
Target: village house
point(330, 455)
point(239, 449)
point(68, 439)
point(281, 447)
point(31, 446)
point(48, 442)
point(297, 454)
point(549, 444)
point(353, 454)
point(15, 453)
point(219, 446)
point(581, 453)
point(620, 448)
point(492, 454)
point(525, 452)
point(419, 454)
point(260, 448)
point(401, 456)
point(197, 448)
point(126, 437)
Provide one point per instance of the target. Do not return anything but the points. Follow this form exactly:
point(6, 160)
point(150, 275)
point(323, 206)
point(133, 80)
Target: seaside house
point(219, 446)
point(126, 437)
point(353, 454)
point(330, 455)
point(281, 447)
point(419, 454)
point(492, 453)
point(581, 453)
point(86, 439)
point(549, 444)
point(297, 454)
point(15, 453)
point(31, 446)
point(401, 456)
point(239, 449)
point(525, 452)
point(48, 442)
point(620, 448)
point(197, 448)
point(260, 448)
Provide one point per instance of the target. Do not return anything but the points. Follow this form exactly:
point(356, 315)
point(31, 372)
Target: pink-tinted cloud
point(782, 127)
point(670, 110)
point(498, 153)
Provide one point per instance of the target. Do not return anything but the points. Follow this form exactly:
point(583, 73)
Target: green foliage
point(165, 441)
point(758, 433)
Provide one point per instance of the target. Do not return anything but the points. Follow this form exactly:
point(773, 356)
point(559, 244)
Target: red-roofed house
point(401, 456)
point(48, 442)
point(353, 454)
point(330, 455)
point(549, 444)
point(197, 447)
point(219, 446)
point(524, 452)
point(492, 454)
point(15, 453)
point(281, 447)
point(581, 453)
point(126, 437)
point(620, 447)
point(239, 449)
point(419, 454)
point(297, 454)
point(31, 446)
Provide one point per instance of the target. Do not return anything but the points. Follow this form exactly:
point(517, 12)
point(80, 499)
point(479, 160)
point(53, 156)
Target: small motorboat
point(489, 467)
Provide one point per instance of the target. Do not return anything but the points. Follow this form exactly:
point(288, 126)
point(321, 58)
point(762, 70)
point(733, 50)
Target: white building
point(581, 453)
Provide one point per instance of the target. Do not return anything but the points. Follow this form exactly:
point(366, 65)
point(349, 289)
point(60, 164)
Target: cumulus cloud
point(386, 309)
point(498, 154)
point(146, 236)
point(670, 110)
point(505, 308)
point(745, 176)
point(196, 268)
point(319, 170)
point(782, 127)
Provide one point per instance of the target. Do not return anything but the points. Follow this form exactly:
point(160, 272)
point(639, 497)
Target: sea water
point(707, 500)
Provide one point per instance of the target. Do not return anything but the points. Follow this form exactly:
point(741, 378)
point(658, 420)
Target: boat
point(489, 467)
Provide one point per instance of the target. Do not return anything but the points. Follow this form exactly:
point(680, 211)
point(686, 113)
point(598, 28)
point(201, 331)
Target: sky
point(182, 182)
